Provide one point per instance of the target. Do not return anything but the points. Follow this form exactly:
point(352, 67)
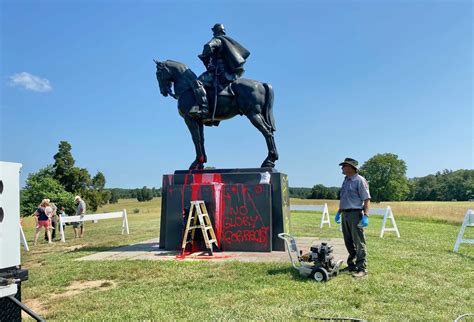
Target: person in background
point(354, 209)
point(54, 221)
point(80, 211)
point(43, 219)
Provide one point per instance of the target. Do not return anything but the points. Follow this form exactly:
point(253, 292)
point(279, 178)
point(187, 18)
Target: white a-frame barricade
point(323, 208)
point(72, 219)
point(23, 239)
point(387, 214)
point(468, 222)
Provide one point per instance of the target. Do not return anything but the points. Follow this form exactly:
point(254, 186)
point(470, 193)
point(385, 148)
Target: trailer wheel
point(320, 274)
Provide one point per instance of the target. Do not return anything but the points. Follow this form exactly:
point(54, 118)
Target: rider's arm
point(209, 50)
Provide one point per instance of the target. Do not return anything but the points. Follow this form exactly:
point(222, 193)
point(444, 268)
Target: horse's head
point(164, 78)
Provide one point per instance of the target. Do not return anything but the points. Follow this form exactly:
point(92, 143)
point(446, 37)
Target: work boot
point(348, 269)
point(204, 113)
point(360, 274)
point(199, 112)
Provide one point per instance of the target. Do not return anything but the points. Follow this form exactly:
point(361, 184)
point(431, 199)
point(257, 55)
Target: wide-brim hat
point(76, 198)
point(353, 163)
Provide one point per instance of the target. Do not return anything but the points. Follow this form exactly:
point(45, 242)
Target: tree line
point(141, 194)
point(61, 181)
point(386, 174)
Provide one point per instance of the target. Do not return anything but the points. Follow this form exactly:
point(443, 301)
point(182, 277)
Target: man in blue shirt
point(354, 207)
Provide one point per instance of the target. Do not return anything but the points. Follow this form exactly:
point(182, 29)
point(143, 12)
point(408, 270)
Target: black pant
point(354, 239)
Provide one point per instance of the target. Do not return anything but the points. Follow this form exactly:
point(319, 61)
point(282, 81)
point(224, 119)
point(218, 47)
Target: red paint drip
point(195, 191)
point(218, 194)
point(202, 257)
point(197, 178)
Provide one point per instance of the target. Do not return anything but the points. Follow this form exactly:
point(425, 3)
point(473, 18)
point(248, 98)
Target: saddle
point(226, 91)
point(204, 93)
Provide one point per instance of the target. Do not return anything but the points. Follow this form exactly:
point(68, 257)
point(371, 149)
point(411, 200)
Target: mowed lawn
point(416, 277)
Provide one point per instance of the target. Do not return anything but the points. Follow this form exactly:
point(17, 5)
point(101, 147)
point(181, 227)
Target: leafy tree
point(114, 196)
point(98, 181)
point(423, 188)
point(78, 180)
point(387, 177)
point(156, 192)
point(63, 163)
point(144, 194)
point(73, 179)
point(95, 198)
point(41, 185)
point(444, 186)
point(320, 191)
point(138, 194)
point(298, 192)
point(457, 185)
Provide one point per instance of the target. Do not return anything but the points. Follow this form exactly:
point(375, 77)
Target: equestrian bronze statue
point(219, 93)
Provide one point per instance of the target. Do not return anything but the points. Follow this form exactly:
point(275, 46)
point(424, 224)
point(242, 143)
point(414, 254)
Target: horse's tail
point(268, 106)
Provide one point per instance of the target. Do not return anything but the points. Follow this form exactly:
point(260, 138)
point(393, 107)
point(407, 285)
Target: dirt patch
point(73, 248)
point(80, 286)
point(36, 306)
point(42, 308)
point(29, 265)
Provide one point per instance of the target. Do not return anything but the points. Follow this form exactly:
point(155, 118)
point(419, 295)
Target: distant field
point(416, 277)
point(444, 211)
point(447, 211)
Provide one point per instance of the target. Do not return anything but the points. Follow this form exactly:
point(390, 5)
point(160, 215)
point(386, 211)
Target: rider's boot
point(202, 110)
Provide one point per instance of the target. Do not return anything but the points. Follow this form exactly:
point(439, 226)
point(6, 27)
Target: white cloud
point(30, 82)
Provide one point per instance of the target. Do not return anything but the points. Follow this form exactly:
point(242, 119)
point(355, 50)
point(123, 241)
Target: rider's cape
point(234, 53)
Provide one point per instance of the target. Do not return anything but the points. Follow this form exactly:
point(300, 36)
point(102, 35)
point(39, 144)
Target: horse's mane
point(175, 64)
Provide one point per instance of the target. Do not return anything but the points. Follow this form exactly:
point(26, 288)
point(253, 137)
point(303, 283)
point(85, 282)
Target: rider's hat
point(218, 27)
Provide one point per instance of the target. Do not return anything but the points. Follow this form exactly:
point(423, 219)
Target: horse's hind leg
point(259, 122)
point(197, 134)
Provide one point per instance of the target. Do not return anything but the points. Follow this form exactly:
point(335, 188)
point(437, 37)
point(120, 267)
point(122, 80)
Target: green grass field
point(416, 277)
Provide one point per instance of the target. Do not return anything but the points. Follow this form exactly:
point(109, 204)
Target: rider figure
point(223, 58)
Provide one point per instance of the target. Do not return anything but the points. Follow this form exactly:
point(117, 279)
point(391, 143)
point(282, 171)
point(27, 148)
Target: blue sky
point(351, 78)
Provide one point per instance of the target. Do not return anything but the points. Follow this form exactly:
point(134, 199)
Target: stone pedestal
point(247, 207)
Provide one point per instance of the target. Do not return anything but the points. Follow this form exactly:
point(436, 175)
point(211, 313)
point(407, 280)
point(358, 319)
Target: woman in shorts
point(43, 219)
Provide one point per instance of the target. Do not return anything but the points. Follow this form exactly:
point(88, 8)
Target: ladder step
point(198, 214)
point(199, 227)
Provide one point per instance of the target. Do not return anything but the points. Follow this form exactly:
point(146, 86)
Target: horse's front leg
point(258, 121)
point(197, 134)
point(201, 136)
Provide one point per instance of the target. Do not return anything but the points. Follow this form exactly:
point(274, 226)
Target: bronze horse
point(252, 99)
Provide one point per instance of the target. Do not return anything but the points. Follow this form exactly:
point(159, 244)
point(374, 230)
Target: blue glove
point(337, 219)
point(364, 222)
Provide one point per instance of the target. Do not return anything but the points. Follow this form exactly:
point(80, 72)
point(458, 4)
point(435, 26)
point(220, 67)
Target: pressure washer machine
point(319, 263)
